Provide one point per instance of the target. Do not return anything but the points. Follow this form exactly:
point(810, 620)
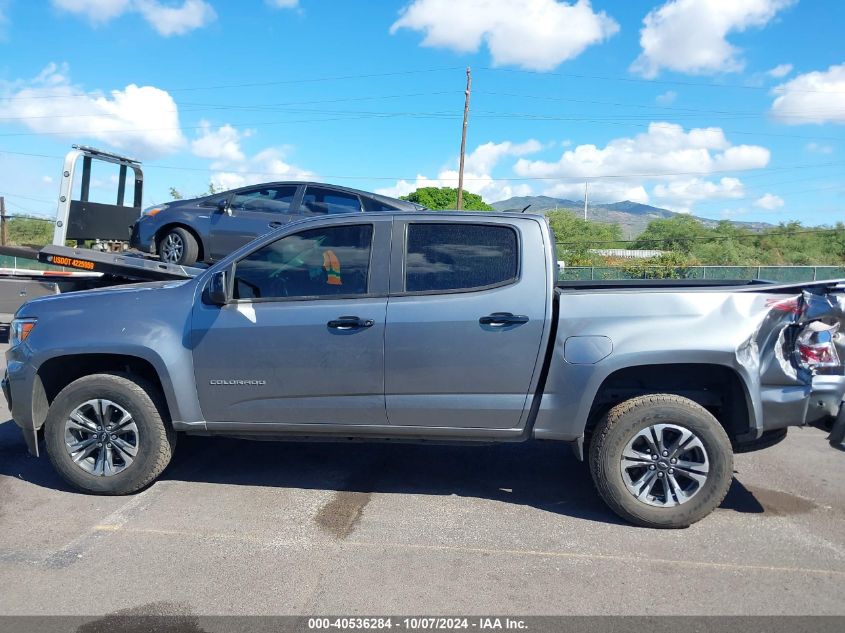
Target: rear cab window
point(459, 257)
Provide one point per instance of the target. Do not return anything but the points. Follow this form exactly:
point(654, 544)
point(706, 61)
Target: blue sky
point(723, 108)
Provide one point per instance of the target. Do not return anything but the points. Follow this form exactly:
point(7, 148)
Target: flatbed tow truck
point(105, 227)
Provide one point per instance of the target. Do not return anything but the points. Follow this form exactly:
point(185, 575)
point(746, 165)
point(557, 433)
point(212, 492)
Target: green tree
point(679, 233)
point(30, 231)
point(576, 236)
point(441, 198)
point(175, 194)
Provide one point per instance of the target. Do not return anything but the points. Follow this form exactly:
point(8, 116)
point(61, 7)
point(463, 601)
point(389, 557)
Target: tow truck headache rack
point(104, 226)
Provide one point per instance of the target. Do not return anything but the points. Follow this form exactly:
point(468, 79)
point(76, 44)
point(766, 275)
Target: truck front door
point(302, 339)
point(465, 322)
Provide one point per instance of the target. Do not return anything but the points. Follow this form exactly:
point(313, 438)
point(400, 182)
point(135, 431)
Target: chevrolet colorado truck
point(447, 327)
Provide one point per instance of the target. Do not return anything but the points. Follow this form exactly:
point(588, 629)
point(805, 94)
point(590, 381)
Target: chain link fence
point(770, 273)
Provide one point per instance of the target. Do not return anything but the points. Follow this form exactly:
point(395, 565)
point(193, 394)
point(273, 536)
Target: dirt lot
point(238, 527)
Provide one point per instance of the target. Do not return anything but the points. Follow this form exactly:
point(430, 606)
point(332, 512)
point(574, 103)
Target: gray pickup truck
point(429, 327)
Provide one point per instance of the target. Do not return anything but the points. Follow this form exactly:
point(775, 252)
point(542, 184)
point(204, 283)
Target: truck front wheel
point(106, 434)
point(661, 461)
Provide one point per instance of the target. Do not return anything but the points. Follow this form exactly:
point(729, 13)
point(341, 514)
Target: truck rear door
point(465, 321)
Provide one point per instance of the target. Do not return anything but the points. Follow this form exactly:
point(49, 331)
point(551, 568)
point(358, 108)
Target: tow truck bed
point(128, 266)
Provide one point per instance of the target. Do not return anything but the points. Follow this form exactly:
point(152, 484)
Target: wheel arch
point(56, 373)
point(718, 388)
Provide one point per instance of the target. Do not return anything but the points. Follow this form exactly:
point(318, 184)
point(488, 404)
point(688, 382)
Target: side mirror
point(223, 207)
point(216, 293)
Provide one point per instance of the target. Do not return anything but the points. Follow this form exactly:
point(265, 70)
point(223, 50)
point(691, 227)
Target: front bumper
point(7, 393)
point(142, 236)
point(18, 389)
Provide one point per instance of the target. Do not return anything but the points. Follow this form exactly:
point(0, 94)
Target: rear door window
point(321, 200)
point(459, 257)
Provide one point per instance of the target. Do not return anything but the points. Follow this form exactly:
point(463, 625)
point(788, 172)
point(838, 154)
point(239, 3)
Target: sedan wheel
point(178, 246)
point(172, 248)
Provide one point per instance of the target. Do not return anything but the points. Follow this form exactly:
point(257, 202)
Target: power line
point(271, 107)
point(574, 177)
point(281, 82)
point(656, 81)
point(640, 105)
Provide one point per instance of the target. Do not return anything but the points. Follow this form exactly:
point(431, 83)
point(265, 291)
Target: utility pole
point(464, 141)
point(586, 184)
point(4, 228)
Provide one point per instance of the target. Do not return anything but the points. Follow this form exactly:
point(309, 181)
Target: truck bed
point(739, 285)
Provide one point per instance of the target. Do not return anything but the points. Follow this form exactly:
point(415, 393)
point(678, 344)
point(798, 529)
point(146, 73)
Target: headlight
point(151, 211)
point(19, 331)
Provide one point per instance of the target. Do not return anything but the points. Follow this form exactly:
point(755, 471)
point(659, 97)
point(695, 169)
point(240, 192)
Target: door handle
point(350, 323)
point(275, 225)
point(503, 318)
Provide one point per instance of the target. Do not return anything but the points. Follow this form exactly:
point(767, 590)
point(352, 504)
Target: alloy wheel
point(101, 437)
point(664, 465)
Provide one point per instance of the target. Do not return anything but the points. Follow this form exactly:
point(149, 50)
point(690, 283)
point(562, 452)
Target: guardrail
point(769, 273)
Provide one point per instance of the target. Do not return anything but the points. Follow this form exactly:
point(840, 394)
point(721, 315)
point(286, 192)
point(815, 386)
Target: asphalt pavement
point(241, 527)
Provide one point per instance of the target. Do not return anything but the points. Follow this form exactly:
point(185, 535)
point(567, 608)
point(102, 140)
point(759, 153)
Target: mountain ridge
point(633, 217)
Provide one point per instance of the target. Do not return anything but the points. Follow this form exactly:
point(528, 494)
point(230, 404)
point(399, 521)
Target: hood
point(106, 296)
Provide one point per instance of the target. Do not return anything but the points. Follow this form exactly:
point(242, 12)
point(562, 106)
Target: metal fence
point(770, 273)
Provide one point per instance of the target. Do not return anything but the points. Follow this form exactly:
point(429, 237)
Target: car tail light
point(816, 345)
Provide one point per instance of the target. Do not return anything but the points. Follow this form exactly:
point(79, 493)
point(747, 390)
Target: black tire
point(769, 438)
point(623, 422)
point(156, 439)
point(188, 247)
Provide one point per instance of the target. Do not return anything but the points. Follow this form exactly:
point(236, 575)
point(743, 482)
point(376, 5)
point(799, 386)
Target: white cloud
point(769, 201)
point(97, 11)
point(780, 71)
point(818, 148)
point(283, 4)
point(477, 173)
point(224, 143)
point(47, 180)
point(667, 98)
point(816, 97)
point(666, 154)
point(532, 34)
point(267, 165)
point(681, 195)
point(690, 35)
point(142, 120)
point(166, 19)
point(664, 149)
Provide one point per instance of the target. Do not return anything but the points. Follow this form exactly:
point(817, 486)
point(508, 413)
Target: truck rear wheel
point(178, 246)
point(106, 434)
point(661, 461)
